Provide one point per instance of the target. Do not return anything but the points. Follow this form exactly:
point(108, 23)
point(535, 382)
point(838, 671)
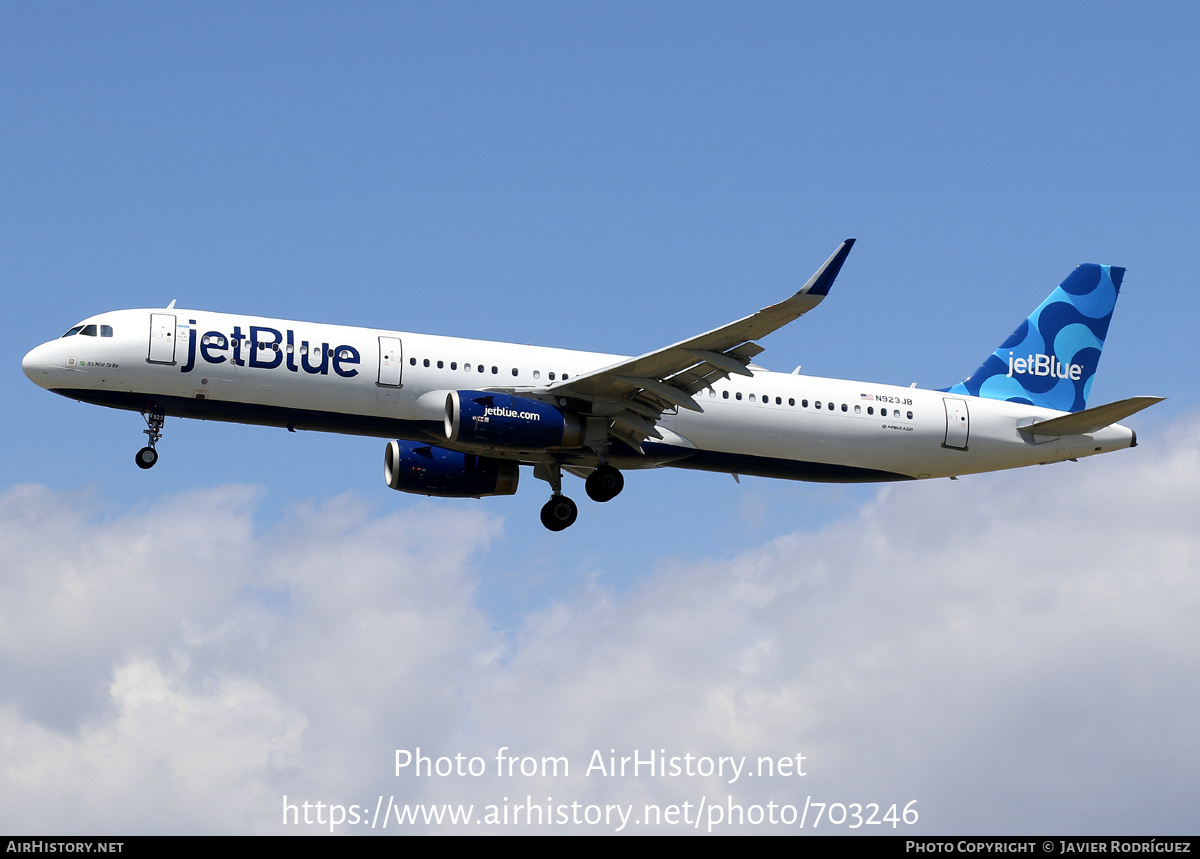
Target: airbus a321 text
point(465, 415)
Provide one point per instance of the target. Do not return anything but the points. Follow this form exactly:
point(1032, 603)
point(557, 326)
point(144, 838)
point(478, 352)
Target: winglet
point(820, 282)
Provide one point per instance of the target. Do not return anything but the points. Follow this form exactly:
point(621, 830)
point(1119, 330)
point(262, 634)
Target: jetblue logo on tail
point(1043, 365)
point(1051, 359)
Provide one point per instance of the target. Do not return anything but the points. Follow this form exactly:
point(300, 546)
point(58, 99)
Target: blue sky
point(597, 176)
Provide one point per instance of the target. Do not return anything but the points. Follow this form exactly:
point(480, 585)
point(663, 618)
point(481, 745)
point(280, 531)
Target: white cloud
point(163, 758)
point(1016, 652)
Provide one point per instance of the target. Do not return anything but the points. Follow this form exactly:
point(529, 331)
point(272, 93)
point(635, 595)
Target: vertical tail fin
point(1051, 359)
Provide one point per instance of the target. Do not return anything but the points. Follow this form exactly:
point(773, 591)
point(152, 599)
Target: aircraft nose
point(36, 365)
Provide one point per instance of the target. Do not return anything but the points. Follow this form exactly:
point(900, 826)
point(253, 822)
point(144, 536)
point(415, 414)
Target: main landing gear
point(147, 456)
point(560, 512)
point(604, 484)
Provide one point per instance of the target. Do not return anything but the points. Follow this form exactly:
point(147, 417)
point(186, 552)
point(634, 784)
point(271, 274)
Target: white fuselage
point(392, 384)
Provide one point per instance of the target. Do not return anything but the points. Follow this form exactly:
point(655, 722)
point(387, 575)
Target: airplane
point(463, 415)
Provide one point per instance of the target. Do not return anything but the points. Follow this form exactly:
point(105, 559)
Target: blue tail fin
point(1051, 358)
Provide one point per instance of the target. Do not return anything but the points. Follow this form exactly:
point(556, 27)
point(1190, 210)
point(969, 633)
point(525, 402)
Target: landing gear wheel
point(146, 457)
point(604, 484)
point(559, 512)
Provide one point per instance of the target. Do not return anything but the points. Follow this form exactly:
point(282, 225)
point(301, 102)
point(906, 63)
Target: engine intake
point(427, 470)
point(505, 420)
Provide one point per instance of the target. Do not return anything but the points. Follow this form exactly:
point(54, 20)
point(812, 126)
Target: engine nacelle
point(427, 470)
point(504, 420)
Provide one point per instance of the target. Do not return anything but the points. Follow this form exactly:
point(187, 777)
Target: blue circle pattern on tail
point(1051, 358)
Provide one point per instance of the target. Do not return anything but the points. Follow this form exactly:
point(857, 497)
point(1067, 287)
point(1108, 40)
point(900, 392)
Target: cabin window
point(816, 404)
point(752, 398)
point(844, 409)
point(712, 392)
point(514, 371)
point(738, 395)
point(870, 410)
point(412, 361)
point(453, 365)
point(551, 375)
point(480, 368)
point(725, 395)
point(791, 401)
point(440, 365)
point(467, 367)
point(779, 401)
point(565, 377)
point(858, 410)
point(537, 374)
point(495, 369)
point(910, 416)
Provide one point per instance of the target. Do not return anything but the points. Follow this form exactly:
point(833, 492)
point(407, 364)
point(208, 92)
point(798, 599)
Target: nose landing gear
point(147, 456)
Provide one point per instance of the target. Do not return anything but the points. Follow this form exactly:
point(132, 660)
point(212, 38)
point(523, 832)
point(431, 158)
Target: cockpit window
point(91, 331)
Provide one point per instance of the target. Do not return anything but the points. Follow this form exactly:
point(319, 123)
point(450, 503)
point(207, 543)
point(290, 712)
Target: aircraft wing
point(633, 394)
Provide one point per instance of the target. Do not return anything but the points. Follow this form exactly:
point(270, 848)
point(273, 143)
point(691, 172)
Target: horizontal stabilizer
point(1090, 420)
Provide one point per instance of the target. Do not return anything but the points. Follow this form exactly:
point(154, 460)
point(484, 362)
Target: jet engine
point(508, 421)
point(427, 470)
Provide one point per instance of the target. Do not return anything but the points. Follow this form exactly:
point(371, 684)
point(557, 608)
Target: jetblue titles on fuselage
point(280, 349)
